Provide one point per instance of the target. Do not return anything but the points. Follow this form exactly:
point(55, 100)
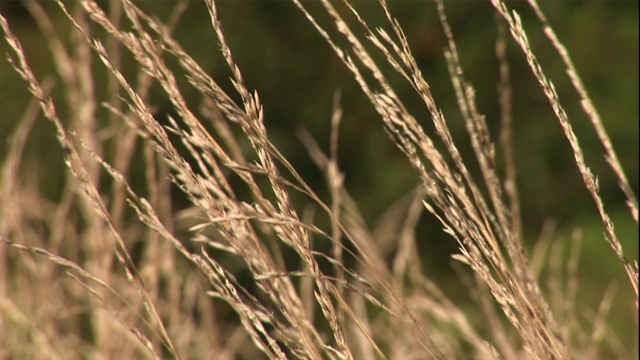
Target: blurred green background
point(296, 75)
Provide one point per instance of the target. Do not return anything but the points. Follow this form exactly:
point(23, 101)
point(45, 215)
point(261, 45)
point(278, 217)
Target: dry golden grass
point(72, 287)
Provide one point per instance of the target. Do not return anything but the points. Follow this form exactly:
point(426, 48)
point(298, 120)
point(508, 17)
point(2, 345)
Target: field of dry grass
point(116, 270)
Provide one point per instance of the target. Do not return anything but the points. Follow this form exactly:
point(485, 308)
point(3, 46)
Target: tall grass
point(116, 270)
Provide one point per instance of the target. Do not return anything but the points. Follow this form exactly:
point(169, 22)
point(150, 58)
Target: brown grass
point(72, 288)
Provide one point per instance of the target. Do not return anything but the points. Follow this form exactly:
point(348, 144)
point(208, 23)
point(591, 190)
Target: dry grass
point(72, 288)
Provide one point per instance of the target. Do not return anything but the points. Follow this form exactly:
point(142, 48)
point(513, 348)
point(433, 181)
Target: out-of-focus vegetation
point(296, 73)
